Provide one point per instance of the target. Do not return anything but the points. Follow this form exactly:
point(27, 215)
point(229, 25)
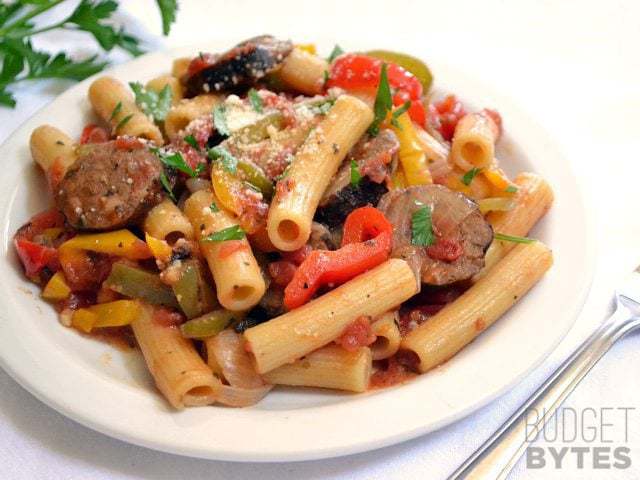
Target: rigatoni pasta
point(283, 220)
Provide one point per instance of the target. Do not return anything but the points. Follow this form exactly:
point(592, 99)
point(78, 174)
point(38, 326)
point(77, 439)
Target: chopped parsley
point(167, 186)
point(176, 161)
point(214, 208)
point(512, 238)
point(325, 77)
point(116, 111)
point(156, 105)
point(220, 119)
point(399, 111)
point(355, 174)
point(468, 177)
point(383, 103)
point(511, 189)
point(191, 140)
point(323, 107)
point(123, 122)
point(256, 101)
point(221, 154)
point(335, 53)
point(234, 232)
point(421, 227)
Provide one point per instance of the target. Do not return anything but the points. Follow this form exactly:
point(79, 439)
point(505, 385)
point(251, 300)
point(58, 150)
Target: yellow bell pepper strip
point(121, 243)
point(209, 324)
point(113, 314)
point(307, 47)
point(257, 178)
point(412, 157)
point(397, 178)
point(501, 185)
point(137, 283)
point(192, 291)
point(501, 204)
point(56, 288)
point(160, 249)
point(227, 188)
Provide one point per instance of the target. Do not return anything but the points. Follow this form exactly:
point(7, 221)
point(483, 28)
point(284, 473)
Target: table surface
point(573, 65)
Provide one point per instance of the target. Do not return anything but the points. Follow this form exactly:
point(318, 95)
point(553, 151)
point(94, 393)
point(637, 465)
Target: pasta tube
point(238, 278)
point(53, 150)
point(473, 143)
point(179, 372)
point(304, 71)
point(532, 201)
point(158, 83)
point(303, 330)
point(447, 332)
point(330, 367)
point(387, 333)
point(114, 103)
point(167, 222)
point(316, 162)
point(187, 110)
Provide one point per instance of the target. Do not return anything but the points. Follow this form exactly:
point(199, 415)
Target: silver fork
point(497, 456)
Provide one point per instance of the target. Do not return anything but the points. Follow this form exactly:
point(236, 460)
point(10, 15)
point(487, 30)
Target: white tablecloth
point(574, 65)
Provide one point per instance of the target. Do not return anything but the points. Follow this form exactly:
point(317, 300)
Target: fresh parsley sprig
point(225, 157)
point(383, 103)
point(176, 161)
point(356, 176)
point(399, 111)
point(21, 62)
point(234, 232)
point(421, 227)
point(154, 104)
point(468, 177)
point(256, 100)
point(512, 238)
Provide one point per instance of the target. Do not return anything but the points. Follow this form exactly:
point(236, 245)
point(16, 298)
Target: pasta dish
point(267, 216)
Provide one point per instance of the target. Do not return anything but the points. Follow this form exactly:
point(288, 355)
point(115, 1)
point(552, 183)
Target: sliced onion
point(241, 397)
point(501, 204)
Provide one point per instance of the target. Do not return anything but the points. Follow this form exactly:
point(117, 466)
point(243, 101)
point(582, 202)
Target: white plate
point(111, 392)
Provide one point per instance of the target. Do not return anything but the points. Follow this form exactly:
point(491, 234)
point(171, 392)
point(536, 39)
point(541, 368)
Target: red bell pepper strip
point(361, 73)
point(367, 243)
point(33, 254)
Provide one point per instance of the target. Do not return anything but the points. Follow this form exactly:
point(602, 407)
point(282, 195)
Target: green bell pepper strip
point(208, 325)
point(193, 293)
point(409, 63)
point(138, 283)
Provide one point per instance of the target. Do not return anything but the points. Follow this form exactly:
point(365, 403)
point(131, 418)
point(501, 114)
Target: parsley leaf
point(123, 122)
point(167, 186)
point(325, 77)
point(154, 104)
point(512, 238)
point(214, 208)
point(191, 140)
point(256, 101)
point(335, 53)
point(220, 119)
point(355, 174)
point(421, 227)
point(399, 111)
point(383, 103)
point(322, 107)
point(115, 111)
point(229, 162)
point(168, 9)
point(511, 189)
point(234, 232)
point(176, 161)
point(468, 177)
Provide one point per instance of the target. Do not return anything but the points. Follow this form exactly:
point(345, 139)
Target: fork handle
point(500, 453)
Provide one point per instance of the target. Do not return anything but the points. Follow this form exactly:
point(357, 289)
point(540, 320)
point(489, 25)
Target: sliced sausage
point(462, 235)
point(110, 186)
point(239, 68)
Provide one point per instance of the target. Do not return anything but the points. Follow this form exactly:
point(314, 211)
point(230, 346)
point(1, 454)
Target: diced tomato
point(200, 62)
point(445, 249)
point(94, 134)
point(446, 114)
point(35, 251)
point(282, 272)
point(361, 73)
point(298, 256)
point(394, 374)
point(128, 143)
point(357, 334)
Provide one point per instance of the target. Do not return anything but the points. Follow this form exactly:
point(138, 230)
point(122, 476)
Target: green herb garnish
point(167, 186)
point(399, 111)
point(176, 161)
point(256, 101)
point(220, 119)
point(168, 9)
point(214, 208)
point(511, 189)
point(512, 238)
point(335, 53)
point(468, 177)
point(325, 77)
point(234, 232)
point(191, 140)
point(355, 173)
point(383, 103)
point(221, 154)
point(421, 227)
point(123, 122)
point(154, 104)
point(116, 111)
point(323, 107)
